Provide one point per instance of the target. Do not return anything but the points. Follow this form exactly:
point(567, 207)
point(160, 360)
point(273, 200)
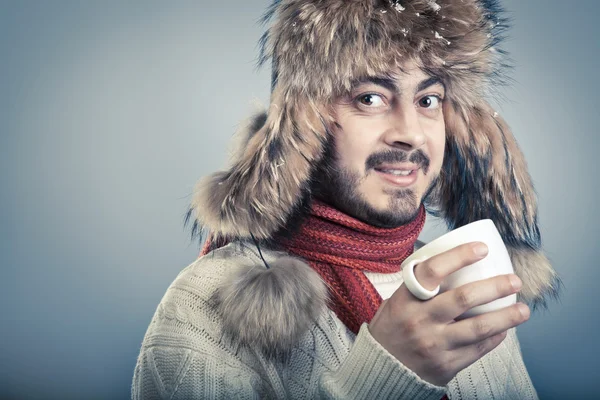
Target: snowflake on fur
point(396, 4)
point(435, 6)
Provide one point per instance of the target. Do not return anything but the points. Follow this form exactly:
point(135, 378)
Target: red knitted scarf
point(339, 248)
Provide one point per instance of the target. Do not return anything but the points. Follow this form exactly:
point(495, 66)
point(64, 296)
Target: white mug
point(497, 261)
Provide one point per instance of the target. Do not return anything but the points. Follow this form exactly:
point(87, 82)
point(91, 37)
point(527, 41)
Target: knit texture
point(340, 247)
point(185, 356)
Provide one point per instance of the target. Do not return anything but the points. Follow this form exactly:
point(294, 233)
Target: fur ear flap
point(485, 176)
point(257, 194)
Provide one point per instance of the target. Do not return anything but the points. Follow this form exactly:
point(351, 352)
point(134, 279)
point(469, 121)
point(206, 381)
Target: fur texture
point(317, 50)
point(321, 47)
point(268, 309)
point(540, 281)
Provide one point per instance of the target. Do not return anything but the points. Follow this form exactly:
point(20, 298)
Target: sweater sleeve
point(500, 374)
point(369, 371)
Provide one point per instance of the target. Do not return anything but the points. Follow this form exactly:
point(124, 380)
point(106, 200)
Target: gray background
point(109, 113)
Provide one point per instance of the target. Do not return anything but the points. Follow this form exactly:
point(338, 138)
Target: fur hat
point(317, 49)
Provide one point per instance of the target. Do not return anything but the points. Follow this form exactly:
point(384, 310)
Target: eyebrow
point(387, 83)
point(390, 84)
point(433, 80)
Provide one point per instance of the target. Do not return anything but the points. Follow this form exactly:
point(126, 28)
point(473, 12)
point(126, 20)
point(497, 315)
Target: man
point(377, 116)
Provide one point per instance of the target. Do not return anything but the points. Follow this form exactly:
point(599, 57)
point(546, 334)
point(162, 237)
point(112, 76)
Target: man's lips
point(384, 172)
point(396, 167)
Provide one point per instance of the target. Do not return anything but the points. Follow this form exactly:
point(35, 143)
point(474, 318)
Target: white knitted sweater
point(185, 356)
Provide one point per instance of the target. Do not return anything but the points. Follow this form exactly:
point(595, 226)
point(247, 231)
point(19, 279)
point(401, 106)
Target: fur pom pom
point(270, 309)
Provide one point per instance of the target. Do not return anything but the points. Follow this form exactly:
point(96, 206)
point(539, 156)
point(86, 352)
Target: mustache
point(417, 157)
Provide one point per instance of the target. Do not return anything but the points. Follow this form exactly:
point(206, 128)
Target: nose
point(405, 130)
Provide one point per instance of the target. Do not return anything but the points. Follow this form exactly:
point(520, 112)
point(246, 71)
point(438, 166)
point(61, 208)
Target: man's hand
point(424, 335)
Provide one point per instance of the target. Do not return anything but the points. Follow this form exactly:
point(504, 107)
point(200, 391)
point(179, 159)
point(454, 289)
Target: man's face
point(385, 128)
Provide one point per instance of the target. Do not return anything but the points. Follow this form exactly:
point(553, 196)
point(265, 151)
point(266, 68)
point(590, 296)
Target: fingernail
point(524, 310)
point(480, 250)
point(515, 282)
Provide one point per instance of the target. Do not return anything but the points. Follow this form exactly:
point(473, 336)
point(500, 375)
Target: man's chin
point(391, 214)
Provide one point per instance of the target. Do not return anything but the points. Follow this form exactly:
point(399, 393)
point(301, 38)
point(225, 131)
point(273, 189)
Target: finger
point(465, 356)
point(471, 331)
point(448, 305)
point(431, 272)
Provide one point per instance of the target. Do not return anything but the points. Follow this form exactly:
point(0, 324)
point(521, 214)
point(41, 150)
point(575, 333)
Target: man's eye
point(371, 100)
point(431, 102)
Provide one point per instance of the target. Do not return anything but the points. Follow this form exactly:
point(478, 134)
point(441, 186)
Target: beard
point(338, 187)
